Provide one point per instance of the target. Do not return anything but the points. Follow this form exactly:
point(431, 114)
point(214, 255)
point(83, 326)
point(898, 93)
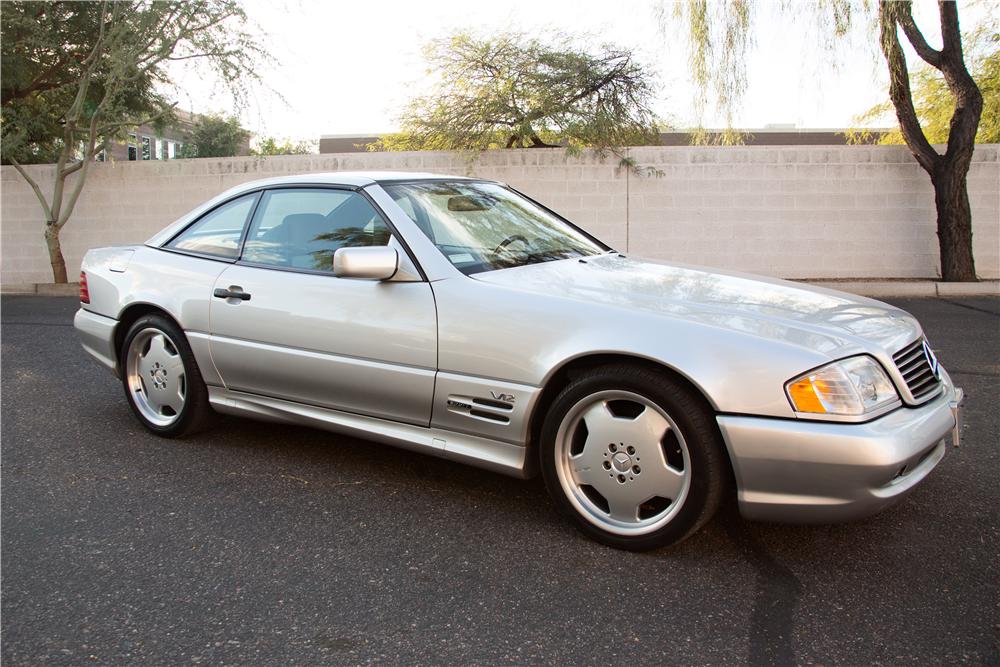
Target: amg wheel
point(161, 379)
point(634, 456)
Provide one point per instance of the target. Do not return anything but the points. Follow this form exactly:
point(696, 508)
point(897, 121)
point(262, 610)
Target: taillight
point(84, 292)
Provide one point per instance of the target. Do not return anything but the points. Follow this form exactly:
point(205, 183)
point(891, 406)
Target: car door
point(283, 325)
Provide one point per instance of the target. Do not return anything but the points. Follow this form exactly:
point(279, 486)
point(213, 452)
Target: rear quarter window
point(219, 231)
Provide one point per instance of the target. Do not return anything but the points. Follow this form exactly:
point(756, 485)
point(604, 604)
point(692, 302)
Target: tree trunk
point(948, 172)
point(55, 254)
point(954, 221)
point(536, 142)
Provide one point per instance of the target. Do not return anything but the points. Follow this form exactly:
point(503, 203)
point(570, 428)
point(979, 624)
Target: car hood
point(819, 319)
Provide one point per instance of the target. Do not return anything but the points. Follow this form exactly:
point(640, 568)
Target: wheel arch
point(569, 369)
point(129, 316)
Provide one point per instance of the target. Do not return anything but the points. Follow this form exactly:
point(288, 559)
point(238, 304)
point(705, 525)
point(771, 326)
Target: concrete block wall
point(794, 212)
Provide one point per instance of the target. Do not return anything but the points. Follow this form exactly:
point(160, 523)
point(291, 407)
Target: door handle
point(233, 292)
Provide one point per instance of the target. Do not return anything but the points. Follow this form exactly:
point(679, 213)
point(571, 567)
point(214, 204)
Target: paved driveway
point(265, 544)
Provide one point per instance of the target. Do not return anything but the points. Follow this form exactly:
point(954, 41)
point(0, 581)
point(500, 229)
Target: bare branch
point(74, 195)
point(899, 89)
point(916, 38)
point(107, 128)
point(34, 186)
point(951, 35)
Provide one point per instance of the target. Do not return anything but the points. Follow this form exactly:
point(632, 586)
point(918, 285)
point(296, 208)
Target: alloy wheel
point(622, 462)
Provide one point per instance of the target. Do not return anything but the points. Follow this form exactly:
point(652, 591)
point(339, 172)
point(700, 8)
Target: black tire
point(196, 412)
point(710, 472)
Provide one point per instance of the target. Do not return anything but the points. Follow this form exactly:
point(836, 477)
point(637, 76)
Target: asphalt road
point(264, 544)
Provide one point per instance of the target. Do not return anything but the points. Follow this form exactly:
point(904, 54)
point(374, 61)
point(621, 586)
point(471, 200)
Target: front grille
point(916, 370)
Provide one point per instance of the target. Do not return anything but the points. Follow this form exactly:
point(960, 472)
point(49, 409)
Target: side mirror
point(366, 262)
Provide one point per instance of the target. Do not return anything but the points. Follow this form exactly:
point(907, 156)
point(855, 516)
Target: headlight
point(854, 386)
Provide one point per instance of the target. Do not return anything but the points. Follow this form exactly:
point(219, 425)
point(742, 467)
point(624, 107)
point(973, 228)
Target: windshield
point(484, 226)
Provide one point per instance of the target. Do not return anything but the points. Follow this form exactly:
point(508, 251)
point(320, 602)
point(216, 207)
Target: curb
point(42, 289)
point(910, 288)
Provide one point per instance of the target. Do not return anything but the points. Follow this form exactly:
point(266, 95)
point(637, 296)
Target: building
point(167, 143)
point(769, 135)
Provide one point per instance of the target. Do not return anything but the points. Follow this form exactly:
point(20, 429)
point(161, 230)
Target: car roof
point(350, 178)
point(354, 179)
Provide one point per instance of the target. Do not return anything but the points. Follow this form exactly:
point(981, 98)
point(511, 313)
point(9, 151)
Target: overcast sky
point(346, 67)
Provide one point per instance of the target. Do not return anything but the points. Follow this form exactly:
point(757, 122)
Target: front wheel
point(634, 457)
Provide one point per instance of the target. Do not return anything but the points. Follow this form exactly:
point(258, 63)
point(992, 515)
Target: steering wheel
point(507, 241)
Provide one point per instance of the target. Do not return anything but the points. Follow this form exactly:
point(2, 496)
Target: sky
point(348, 67)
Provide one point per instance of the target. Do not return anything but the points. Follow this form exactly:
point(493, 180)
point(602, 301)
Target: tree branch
point(34, 186)
point(916, 38)
point(899, 89)
point(951, 35)
point(968, 97)
point(74, 194)
point(108, 127)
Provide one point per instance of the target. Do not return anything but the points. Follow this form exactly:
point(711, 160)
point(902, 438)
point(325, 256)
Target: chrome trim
point(485, 453)
point(453, 387)
point(914, 366)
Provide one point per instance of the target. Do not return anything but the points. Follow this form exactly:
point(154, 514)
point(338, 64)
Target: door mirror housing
point(366, 262)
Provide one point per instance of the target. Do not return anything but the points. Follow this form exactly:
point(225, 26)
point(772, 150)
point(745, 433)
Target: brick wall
point(795, 212)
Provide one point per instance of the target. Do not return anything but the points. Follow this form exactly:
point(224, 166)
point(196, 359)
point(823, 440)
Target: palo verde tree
point(76, 75)
point(512, 91)
point(720, 34)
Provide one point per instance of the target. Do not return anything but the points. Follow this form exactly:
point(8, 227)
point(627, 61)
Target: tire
point(161, 379)
point(634, 457)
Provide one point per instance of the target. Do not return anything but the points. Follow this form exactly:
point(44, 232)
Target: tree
point(721, 33)
point(511, 90)
point(934, 102)
point(215, 136)
point(77, 75)
point(271, 146)
point(43, 50)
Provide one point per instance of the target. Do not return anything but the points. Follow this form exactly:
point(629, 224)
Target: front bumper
point(97, 335)
point(823, 472)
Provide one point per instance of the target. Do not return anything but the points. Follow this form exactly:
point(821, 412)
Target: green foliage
point(215, 136)
point(66, 64)
point(935, 104)
point(272, 146)
point(720, 35)
point(43, 50)
point(77, 75)
point(511, 90)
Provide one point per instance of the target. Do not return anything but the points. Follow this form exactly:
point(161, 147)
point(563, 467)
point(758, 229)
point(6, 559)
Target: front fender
point(491, 331)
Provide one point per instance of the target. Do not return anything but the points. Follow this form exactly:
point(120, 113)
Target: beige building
point(148, 143)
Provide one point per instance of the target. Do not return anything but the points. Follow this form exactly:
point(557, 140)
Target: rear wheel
point(161, 379)
point(634, 457)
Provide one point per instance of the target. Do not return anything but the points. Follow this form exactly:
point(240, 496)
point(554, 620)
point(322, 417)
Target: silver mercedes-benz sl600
point(458, 317)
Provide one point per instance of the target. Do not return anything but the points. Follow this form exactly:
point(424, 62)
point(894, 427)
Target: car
point(458, 317)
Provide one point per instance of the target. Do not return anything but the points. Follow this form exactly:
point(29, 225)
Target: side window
point(217, 232)
point(301, 228)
